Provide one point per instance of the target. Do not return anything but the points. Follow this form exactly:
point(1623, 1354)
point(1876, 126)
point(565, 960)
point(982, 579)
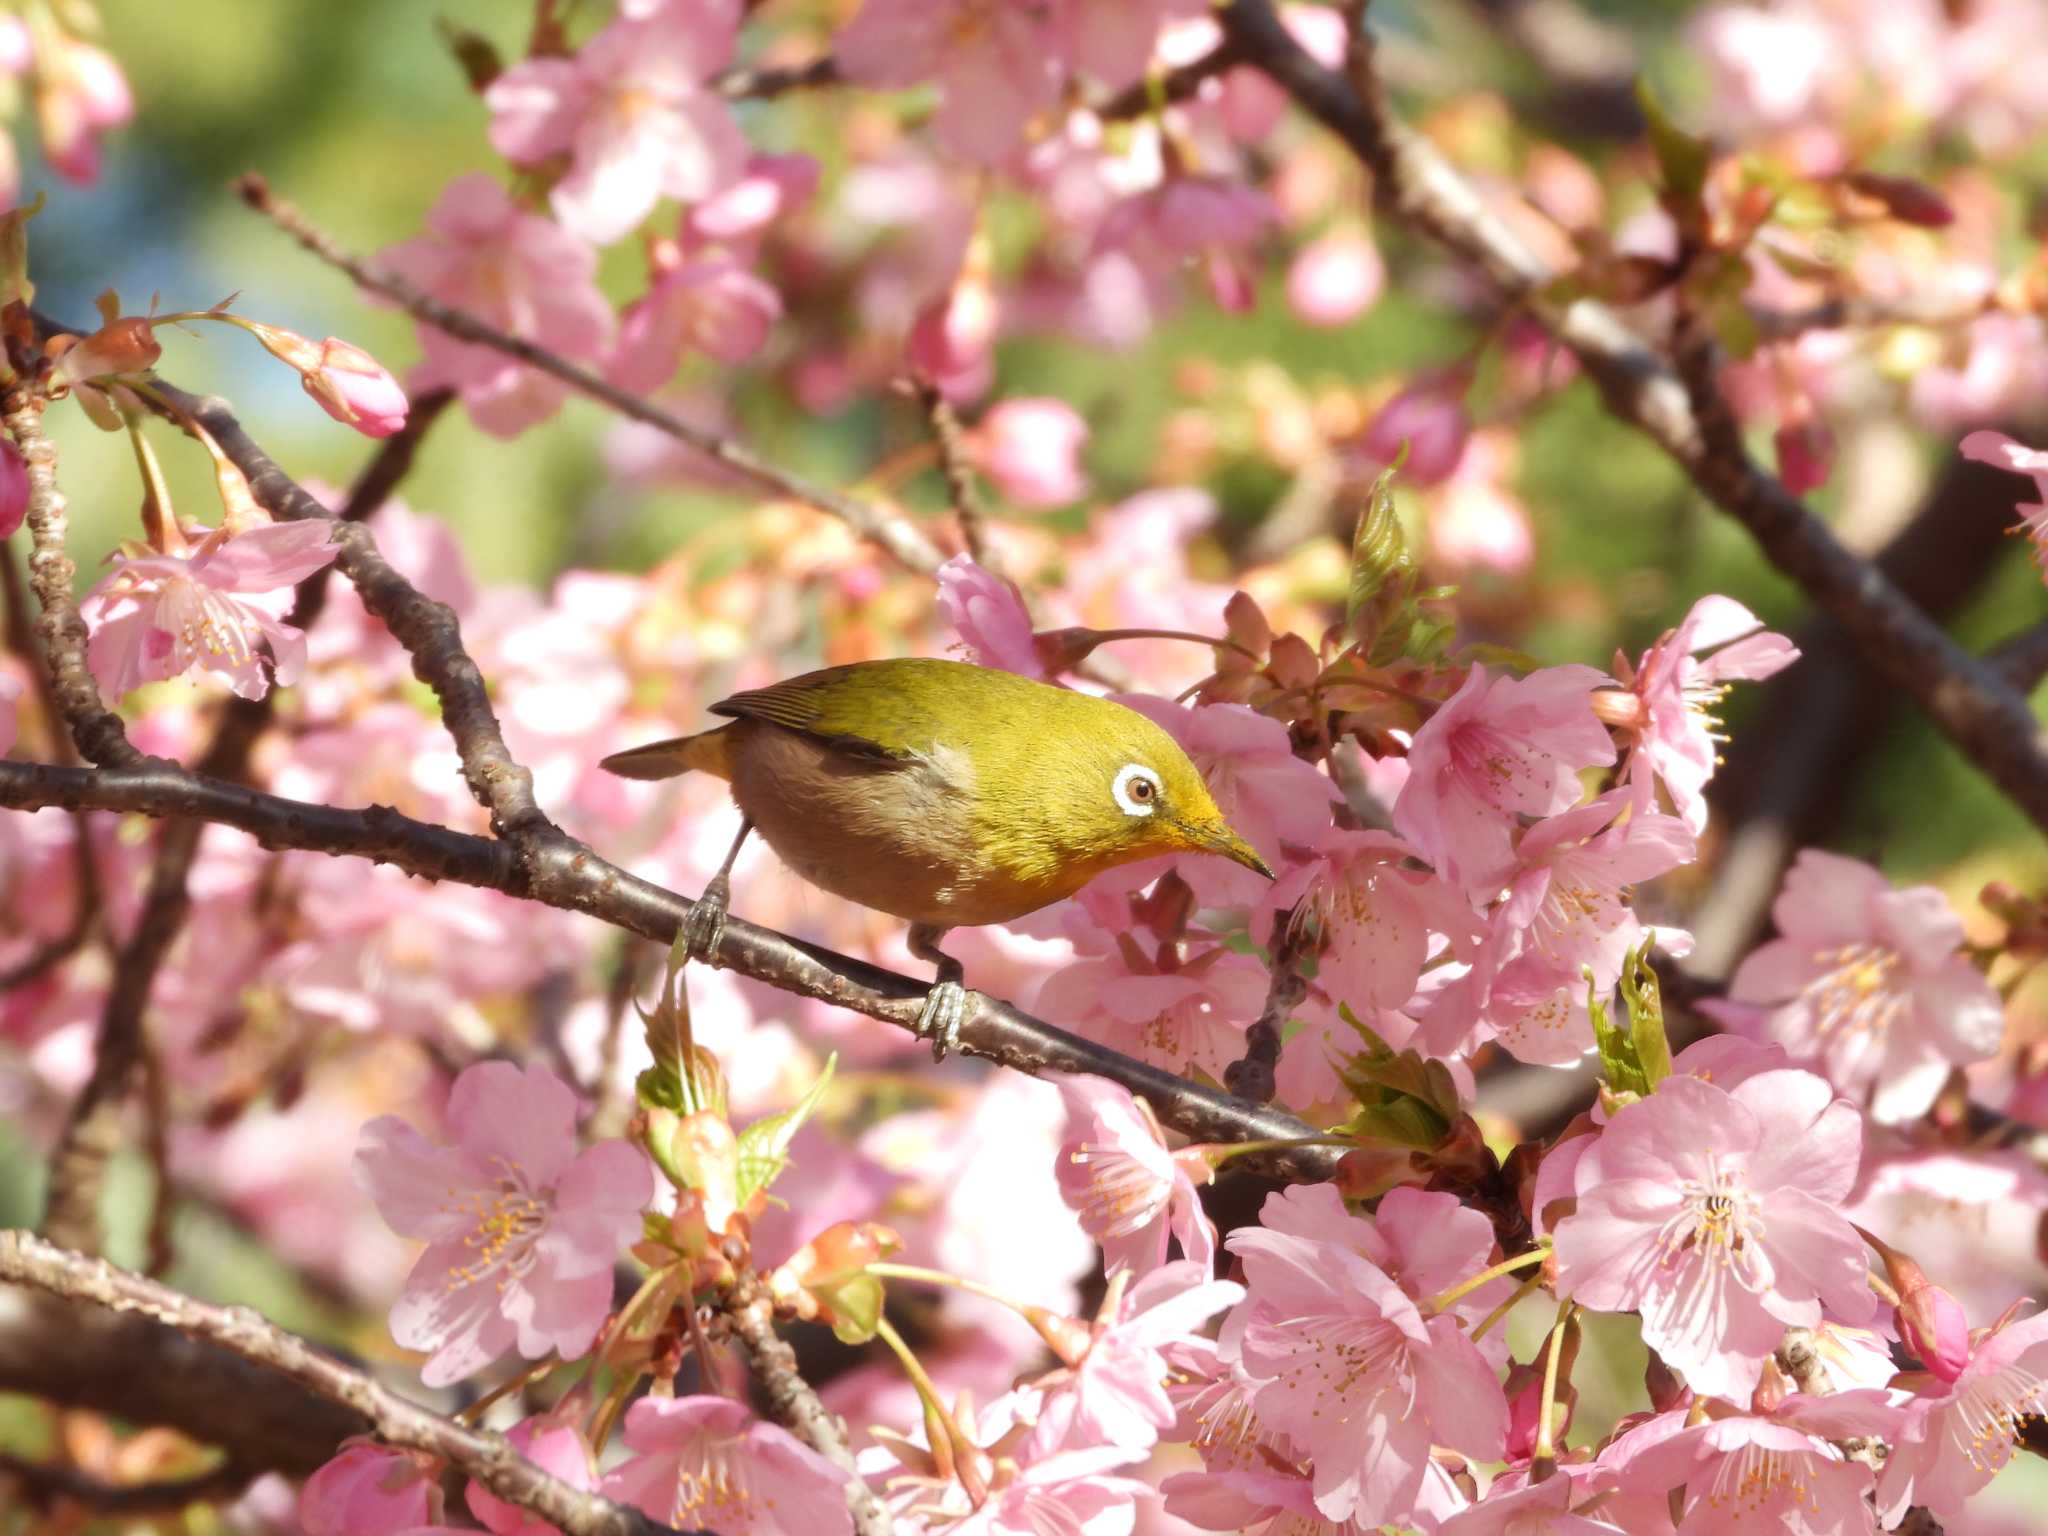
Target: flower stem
point(1528, 1284)
point(925, 1276)
point(1543, 1459)
point(1465, 1288)
point(940, 1424)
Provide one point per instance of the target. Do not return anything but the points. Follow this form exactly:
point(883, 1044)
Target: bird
point(942, 792)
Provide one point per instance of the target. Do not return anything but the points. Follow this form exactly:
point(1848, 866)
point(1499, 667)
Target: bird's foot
point(704, 927)
point(945, 1010)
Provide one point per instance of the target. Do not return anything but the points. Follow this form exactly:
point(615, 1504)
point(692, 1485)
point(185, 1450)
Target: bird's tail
point(706, 752)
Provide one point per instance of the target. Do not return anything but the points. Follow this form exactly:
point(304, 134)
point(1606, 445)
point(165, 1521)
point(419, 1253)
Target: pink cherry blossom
point(2006, 453)
point(1130, 1192)
point(770, 188)
point(356, 390)
point(80, 94)
point(216, 605)
point(1716, 1215)
point(1778, 1471)
point(1475, 520)
point(1568, 911)
point(712, 306)
point(1430, 420)
point(14, 488)
point(1379, 915)
point(1939, 1201)
point(522, 273)
point(370, 1490)
point(558, 1449)
point(708, 1463)
point(1869, 985)
point(10, 698)
point(1192, 220)
point(1334, 280)
point(1355, 1376)
point(1072, 1492)
point(1958, 1433)
point(632, 111)
point(1030, 448)
point(521, 1227)
point(1498, 749)
point(1188, 1019)
point(993, 60)
point(1530, 1509)
point(1111, 40)
point(1667, 712)
point(987, 612)
point(1116, 1393)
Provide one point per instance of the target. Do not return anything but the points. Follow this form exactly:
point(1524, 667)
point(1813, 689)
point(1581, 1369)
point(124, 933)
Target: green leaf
point(1379, 549)
point(1682, 158)
point(1636, 1057)
point(14, 280)
point(1404, 1098)
point(764, 1145)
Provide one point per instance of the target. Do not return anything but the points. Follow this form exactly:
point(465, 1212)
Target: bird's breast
point(894, 835)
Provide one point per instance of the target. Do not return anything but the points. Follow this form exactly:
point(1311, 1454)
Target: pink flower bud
point(1933, 1326)
point(356, 390)
point(1030, 448)
point(953, 338)
point(368, 1489)
point(1430, 417)
point(80, 92)
point(1806, 453)
point(1335, 280)
point(13, 488)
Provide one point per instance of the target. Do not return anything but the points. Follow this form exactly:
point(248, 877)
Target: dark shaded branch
point(46, 1485)
point(563, 873)
point(1174, 85)
point(2023, 660)
point(95, 730)
point(738, 84)
point(892, 533)
point(487, 1457)
point(1986, 720)
point(1295, 937)
point(793, 1404)
point(1849, 312)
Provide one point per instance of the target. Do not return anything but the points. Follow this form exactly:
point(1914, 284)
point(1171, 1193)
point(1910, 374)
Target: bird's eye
point(1137, 790)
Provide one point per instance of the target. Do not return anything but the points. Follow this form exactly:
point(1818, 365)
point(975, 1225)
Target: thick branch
point(487, 1457)
point(95, 729)
point(563, 873)
point(1989, 722)
point(894, 534)
point(794, 1405)
point(48, 1485)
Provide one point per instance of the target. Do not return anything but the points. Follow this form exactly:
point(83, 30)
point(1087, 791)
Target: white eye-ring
point(1136, 789)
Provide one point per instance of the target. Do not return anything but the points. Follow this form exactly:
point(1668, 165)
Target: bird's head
point(1138, 795)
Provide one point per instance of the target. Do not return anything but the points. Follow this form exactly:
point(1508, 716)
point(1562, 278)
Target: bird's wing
point(838, 705)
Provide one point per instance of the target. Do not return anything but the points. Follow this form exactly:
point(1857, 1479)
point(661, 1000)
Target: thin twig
point(740, 84)
point(1295, 937)
point(965, 497)
point(2023, 659)
point(489, 1458)
point(1849, 312)
point(793, 1403)
point(562, 873)
point(892, 533)
point(95, 730)
point(1985, 719)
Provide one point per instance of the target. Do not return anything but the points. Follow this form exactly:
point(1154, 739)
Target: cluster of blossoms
point(1465, 846)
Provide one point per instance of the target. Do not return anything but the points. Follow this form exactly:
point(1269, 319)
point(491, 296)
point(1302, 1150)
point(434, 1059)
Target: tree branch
point(96, 730)
point(794, 1405)
point(563, 873)
point(487, 1457)
point(892, 533)
point(1967, 699)
point(958, 473)
point(46, 1484)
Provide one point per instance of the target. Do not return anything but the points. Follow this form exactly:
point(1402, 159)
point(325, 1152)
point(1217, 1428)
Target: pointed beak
point(1216, 837)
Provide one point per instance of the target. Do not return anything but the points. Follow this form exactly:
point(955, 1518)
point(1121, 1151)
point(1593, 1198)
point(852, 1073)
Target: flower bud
point(1430, 417)
point(348, 384)
point(126, 345)
point(1934, 1327)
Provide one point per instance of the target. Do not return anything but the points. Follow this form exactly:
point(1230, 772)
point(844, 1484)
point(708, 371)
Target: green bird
point(944, 793)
